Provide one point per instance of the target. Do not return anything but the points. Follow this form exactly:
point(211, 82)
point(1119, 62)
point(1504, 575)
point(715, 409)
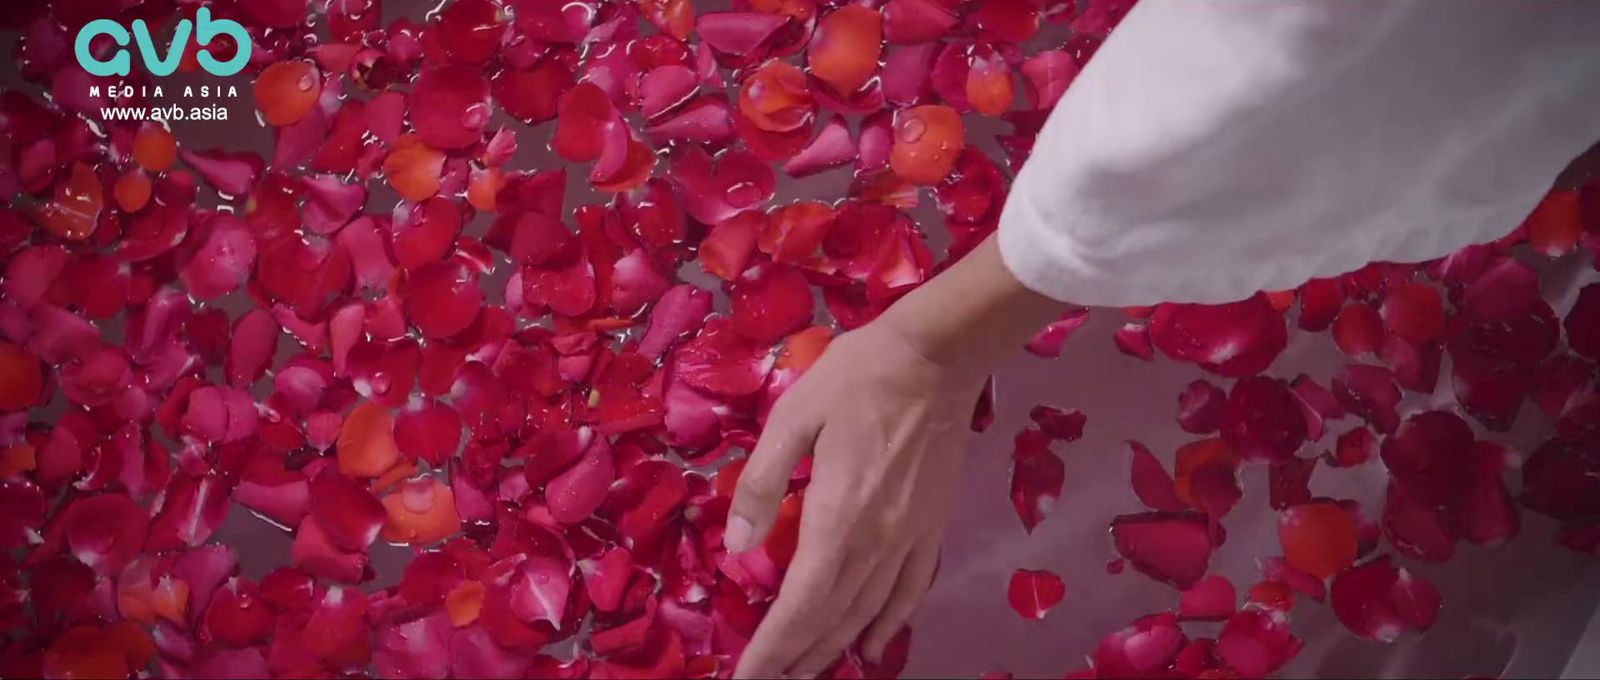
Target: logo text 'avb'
point(204, 27)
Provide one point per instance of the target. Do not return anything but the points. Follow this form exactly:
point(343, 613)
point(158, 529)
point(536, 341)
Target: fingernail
point(737, 536)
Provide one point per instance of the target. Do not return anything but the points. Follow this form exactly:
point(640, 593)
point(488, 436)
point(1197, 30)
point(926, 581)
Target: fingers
point(806, 604)
point(786, 439)
point(915, 577)
point(861, 612)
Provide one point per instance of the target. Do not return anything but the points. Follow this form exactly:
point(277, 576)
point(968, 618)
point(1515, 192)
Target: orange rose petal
point(484, 186)
point(1319, 538)
point(137, 646)
point(132, 190)
point(927, 141)
point(845, 48)
point(804, 348)
point(636, 169)
point(800, 10)
point(785, 536)
point(75, 212)
point(394, 476)
point(464, 602)
point(366, 442)
point(727, 479)
point(776, 98)
point(421, 511)
point(989, 86)
point(170, 599)
point(1556, 223)
point(287, 90)
point(21, 378)
point(154, 148)
point(673, 17)
point(84, 653)
point(17, 460)
point(1280, 300)
point(413, 168)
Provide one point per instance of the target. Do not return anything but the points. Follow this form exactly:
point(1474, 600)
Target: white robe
point(1213, 149)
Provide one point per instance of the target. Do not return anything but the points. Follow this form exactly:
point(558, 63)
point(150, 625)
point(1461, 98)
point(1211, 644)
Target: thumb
point(765, 479)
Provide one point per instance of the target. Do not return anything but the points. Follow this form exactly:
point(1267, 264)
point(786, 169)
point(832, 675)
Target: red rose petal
point(1376, 601)
point(1262, 420)
point(1065, 426)
point(1583, 323)
point(1370, 392)
point(770, 302)
point(1152, 483)
point(1033, 593)
point(1173, 549)
point(442, 298)
point(1212, 598)
point(915, 21)
point(1048, 341)
point(1036, 478)
point(345, 510)
point(579, 491)
point(1256, 643)
point(1318, 538)
point(1046, 76)
point(1234, 340)
point(831, 148)
point(1201, 406)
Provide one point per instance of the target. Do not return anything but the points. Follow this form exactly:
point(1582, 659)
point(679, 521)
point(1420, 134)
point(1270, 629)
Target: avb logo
point(204, 28)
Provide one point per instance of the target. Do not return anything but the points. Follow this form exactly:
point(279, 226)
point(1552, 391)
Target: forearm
point(973, 315)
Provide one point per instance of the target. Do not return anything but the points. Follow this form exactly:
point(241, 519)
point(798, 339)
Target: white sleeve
point(1213, 149)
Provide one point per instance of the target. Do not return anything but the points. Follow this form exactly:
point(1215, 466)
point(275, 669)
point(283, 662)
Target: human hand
point(887, 428)
point(886, 413)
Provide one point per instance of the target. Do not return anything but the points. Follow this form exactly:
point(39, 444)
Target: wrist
point(971, 316)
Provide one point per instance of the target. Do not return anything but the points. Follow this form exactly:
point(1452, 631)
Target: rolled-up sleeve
point(1213, 149)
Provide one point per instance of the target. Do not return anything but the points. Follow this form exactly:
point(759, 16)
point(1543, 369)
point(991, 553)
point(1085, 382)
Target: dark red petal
point(1066, 426)
point(1583, 322)
point(1317, 404)
point(1370, 392)
point(1262, 421)
point(1358, 329)
point(1416, 530)
point(1036, 478)
point(1173, 549)
point(1376, 601)
point(1431, 456)
point(346, 512)
point(1033, 593)
point(1288, 482)
point(1152, 483)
